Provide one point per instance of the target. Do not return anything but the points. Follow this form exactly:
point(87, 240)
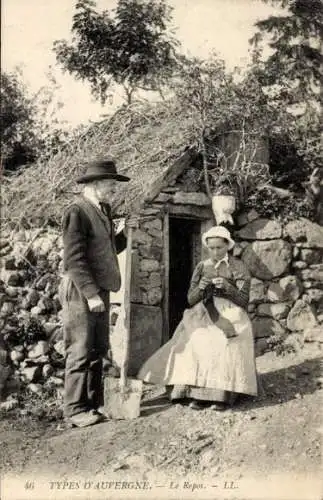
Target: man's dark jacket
point(91, 247)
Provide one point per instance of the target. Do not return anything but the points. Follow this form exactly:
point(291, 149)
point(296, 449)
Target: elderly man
point(91, 271)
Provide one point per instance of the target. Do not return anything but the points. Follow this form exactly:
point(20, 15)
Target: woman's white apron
point(200, 355)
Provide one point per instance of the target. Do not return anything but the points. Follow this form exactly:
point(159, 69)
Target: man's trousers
point(86, 337)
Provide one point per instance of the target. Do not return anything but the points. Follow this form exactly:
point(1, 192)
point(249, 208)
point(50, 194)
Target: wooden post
point(165, 335)
point(127, 310)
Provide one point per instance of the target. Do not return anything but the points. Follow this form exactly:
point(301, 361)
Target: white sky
point(29, 28)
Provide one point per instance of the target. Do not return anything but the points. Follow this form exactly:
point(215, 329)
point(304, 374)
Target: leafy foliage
point(290, 78)
point(268, 203)
point(129, 46)
point(28, 126)
point(229, 122)
point(295, 39)
point(17, 123)
point(281, 345)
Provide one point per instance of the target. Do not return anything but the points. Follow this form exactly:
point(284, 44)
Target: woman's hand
point(221, 284)
point(204, 282)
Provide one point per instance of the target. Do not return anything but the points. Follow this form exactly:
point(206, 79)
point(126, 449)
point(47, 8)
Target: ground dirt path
point(277, 434)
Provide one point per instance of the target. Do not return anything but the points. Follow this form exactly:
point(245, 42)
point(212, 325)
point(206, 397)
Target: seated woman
point(210, 357)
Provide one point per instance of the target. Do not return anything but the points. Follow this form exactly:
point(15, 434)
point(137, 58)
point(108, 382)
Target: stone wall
point(285, 261)
point(30, 324)
point(148, 242)
point(147, 290)
point(31, 348)
point(286, 264)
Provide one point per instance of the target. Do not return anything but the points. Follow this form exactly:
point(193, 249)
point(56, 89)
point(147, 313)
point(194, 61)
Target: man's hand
point(96, 304)
point(204, 282)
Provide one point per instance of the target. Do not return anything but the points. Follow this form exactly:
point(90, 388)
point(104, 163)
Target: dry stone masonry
point(30, 312)
point(285, 262)
point(148, 242)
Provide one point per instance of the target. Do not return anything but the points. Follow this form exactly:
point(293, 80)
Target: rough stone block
point(268, 259)
point(315, 273)
point(46, 305)
point(311, 256)
point(237, 250)
point(314, 334)
point(7, 309)
point(242, 219)
point(287, 289)
point(261, 346)
point(155, 280)
point(251, 308)
point(261, 229)
point(50, 327)
point(31, 373)
point(10, 263)
point(299, 264)
point(36, 311)
point(47, 370)
point(155, 224)
point(149, 265)
point(301, 317)
point(35, 388)
point(10, 404)
point(142, 237)
point(257, 291)
point(147, 327)
point(143, 275)
point(5, 247)
point(199, 199)
point(17, 355)
point(58, 381)
point(40, 349)
point(154, 296)
point(315, 294)
point(40, 360)
point(163, 198)
point(44, 244)
point(252, 215)
point(303, 231)
point(276, 311)
point(158, 241)
point(15, 278)
point(42, 282)
point(296, 252)
point(150, 252)
point(60, 347)
point(146, 336)
point(12, 292)
point(266, 327)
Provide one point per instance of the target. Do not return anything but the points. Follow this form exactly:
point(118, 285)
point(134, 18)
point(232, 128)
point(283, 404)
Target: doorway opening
point(184, 253)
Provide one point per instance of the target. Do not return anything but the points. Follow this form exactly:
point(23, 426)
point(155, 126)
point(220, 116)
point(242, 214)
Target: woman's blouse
point(233, 270)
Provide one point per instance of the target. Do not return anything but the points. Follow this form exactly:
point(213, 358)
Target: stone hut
point(285, 261)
